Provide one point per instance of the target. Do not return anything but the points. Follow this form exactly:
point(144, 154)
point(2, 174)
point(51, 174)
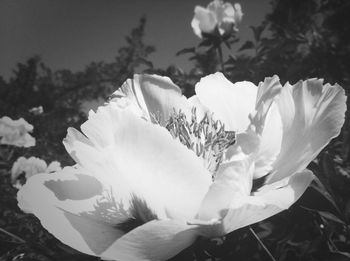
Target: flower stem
point(262, 244)
point(221, 60)
point(13, 236)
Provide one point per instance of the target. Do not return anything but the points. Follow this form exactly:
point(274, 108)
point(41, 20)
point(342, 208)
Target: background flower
point(30, 167)
point(218, 15)
point(15, 132)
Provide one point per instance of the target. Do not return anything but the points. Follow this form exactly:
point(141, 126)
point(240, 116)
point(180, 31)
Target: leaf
point(325, 214)
point(206, 42)
point(257, 30)
point(186, 50)
point(247, 45)
point(321, 189)
point(227, 43)
point(330, 216)
point(142, 60)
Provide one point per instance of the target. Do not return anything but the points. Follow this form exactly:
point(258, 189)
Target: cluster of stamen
point(207, 137)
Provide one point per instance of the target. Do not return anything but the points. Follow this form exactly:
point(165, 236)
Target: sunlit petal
point(156, 97)
point(312, 114)
point(230, 103)
point(155, 240)
point(248, 210)
point(139, 157)
point(267, 124)
point(233, 180)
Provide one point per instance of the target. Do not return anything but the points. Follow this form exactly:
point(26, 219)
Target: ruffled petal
point(155, 96)
point(155, 240)
point(312, 114)
point(141, 158)
point(230, 103)
point(204, 21)
point(66, 203)
point(261, 205)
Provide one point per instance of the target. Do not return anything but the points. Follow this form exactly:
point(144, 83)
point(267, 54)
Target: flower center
point(207, 137)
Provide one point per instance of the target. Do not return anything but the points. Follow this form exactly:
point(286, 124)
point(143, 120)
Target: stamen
point(139, 213)
point(124, 218)
point(207, 137)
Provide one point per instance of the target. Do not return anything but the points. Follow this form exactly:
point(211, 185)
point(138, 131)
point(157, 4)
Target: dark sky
point(69, 34)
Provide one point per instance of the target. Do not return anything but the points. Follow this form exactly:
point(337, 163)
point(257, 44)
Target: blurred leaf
point(228, 44)
point(321, 189)
point(144, 61)
point(186, 50)
point(206, 42)
point(330, 216)
point(247, 45)
point(257, 30)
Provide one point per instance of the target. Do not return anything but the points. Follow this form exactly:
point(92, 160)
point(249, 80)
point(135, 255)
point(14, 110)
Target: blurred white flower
point(37, 110)
point(15, 132)
point(217, 16)
point(156, 170)
point(30, 167)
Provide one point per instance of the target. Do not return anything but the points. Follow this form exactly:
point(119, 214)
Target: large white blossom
point(216, 16)
point(30, 167)
point(156, 170)
point(15, 132)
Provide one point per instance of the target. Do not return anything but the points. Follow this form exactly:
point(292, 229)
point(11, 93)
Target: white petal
point(230, 103)
point(248, 210)
point(64, 203)
point(233, 180)
point(204, 21)
point(267, 124)
point(270, 142)
point(155, 96)
point(155, 240)
point(142, 158)
point(312, 114)
point(201, 110)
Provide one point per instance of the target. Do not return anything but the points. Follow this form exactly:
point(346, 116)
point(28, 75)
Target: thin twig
point(262, 244)
point(12, 235)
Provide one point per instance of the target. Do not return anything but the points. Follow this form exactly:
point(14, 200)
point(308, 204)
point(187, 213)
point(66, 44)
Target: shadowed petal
point(65, 203)
point(312, 114)
point(155, 240)
point(230, 103)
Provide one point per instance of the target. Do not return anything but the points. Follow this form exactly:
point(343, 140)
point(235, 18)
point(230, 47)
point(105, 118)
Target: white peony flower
point(30, 167)
point(15, 132)
point(218, 15)
point(156, 170)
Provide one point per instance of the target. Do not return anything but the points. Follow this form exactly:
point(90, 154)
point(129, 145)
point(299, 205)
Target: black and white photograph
point(179, 130)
